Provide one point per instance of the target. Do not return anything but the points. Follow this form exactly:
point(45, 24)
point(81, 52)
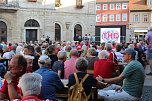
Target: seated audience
point(51, 81)
point(104, 67)
point(69, 65)
point(91, 57)
point(81, 66)
point(58, 66)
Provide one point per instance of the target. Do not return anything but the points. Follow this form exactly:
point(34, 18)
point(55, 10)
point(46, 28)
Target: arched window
point(3, 31)
point(78, 30)
point(31, 23)
point(57, 32)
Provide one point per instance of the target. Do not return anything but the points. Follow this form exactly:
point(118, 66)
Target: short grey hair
point(81, 64)
point(150, 28)
point(108, 46)
point(30, 84)
point(131, 46)
point(92, 51)
point(61, 55)
point(103, 54)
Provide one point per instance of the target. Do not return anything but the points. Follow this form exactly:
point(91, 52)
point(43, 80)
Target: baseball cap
point(130, 51)
point(44, 59)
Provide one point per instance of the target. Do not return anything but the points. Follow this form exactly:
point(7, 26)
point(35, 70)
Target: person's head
point(74, 53)
point(51, 49)
point(61, 55)
point(29, 60)
point(131, 46)
point(14, 47)
point(38, 49)
point(68, 48)
point(30, 84)
point(81, 64)
point(108, 46)
point(138, 45)
point(29, 50)
point(150, 28)
point(118, 47)
point(18, 65)
point(91, 51)
point(103, 54)
point(44, 61)
point(129, 54)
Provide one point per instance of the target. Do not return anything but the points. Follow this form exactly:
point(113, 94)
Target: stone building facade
point(29, 20)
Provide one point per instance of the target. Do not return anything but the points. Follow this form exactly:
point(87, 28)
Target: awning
point(140, 30)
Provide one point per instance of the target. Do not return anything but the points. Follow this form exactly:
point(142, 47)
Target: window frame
point(117, 6)
point(119, 17)
point(104, 18)
point(98, 6)
point(98, 18)
point(134, 18)
point(145, 18)
point(126, 15)
point(110, 17)
point(113, 6)
point(104, 6)
point(123, 5)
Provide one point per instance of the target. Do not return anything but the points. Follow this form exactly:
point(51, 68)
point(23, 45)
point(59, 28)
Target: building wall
point(140, 27)
point(115, 23)
point(46, 14)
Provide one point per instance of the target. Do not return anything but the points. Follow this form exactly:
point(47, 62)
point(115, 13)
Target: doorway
point(31, 35)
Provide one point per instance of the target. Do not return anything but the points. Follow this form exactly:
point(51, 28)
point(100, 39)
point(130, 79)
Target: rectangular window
point(104, 18)
point(145, 18)
point(124, 5)
point(118, 17)
point(112, 7)
point(98, 19)
point(136, 18)
point(124, 17)
point(98, 7)
point(105, 7)
point(118, 6)
point(111, 17)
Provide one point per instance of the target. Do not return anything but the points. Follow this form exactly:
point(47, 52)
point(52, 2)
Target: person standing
point(148, 40)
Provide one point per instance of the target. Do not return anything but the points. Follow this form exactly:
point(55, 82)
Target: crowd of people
point(35, 70)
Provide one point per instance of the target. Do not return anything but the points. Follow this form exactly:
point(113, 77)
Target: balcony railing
point(9, 6)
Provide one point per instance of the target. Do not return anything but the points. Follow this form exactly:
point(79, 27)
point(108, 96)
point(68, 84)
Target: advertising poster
point(110, 35)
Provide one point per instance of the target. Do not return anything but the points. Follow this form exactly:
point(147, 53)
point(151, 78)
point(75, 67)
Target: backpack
point(76, 92)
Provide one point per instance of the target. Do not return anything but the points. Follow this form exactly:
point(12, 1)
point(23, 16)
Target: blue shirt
point(50, 83)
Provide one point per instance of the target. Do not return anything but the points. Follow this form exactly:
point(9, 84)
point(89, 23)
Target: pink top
point(69, 67)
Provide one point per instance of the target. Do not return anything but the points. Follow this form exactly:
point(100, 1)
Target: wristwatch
point(9, 81)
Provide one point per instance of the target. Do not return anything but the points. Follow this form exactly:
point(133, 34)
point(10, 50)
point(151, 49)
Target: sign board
point(110, 35)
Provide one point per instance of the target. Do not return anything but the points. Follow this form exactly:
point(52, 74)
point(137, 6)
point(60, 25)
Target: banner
point(110, 35)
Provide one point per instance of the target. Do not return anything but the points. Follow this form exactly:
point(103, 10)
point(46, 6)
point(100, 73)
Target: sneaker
point(150, 74)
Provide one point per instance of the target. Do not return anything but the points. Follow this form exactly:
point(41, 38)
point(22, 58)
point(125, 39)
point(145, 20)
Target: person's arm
point(110, 80)
point(11, 89)
point(101, 85)
point(3, 96)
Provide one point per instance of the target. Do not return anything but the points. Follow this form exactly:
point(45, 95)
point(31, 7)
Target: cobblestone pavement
point(147, 89)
